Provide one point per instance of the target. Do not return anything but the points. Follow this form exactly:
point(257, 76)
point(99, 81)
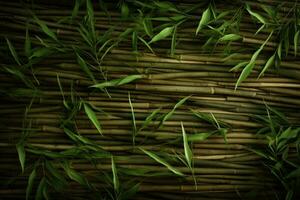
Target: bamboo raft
point(149, 100)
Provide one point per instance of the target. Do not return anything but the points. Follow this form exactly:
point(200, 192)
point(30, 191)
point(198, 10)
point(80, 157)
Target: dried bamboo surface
point(103, 111)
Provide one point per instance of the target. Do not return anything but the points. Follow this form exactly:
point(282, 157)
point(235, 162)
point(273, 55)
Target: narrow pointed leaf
point(199, 136)
point(162, 161)
point(45, 28)
point(128, 194)
point(134, 41)
point(269, 63)
point(92, 116)
point(134, 131)
point(169, 114)
point(249, 67)
point(115, 175)
point(256, 15)
point(295, 173)
point(31, 179)
point(75, 9)
point(230, 37)
point(245, 73)
point(74, 175)
point(146, 44)
point(124, 10)
point(147, 24)
point(85, 68)
point(40, 188)
point(56, 174)
point(21, 154)
point(206, 17)
point(13, 51)
point(150, 118)
point(40, 52)
point(90, 10)
point(117, 82)
point(239, 65)
point(162, 34)
point(187, 150)
point(164, 5)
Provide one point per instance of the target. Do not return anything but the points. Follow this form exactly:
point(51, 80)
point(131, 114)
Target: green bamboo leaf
point(129, 194)
point(92, 116)
point(104, 45)
point(75, 9)
point(294, 174)
point(134, 41)
point(146, 44)
point(286, 134)
point(147, 24)
point(21, 154)
point(279, 50)
point(13, 51)
point(74, 175)
point(239, 65)
point(46, 153)
point(27, 45)
point(85, 35)
point(245, 73)
point(169, 114)
point(248, 68)
point(162, 161)
point(16, 72)
point(199, 136)
point(206, 117)
point(115, 175)
point(62, 93)
point(230, 37)
point(271, 11)
point(165, 5)
point(39, 191)
point(31, 179)
point(45, 28)
point(56, 175)
point(134, 131)
point(90, 12)
point(268, 64)
point(260, 29)
point(45, 192)
point(85, 68)
point(296, 39)
point(169, 19)
point(278, 113)
point(150, 118)
point(40, 52)
point(91, 23)
point(124, 10)
point(289, 195)
point(187, 150)
point(71, 135)
point(117, 82)
point(162, 34)
point(256, 15)
point(206, 17)
point(108, 50)
point(260, 153)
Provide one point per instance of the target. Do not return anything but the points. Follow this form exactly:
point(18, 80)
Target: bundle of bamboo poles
point(95, 106)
